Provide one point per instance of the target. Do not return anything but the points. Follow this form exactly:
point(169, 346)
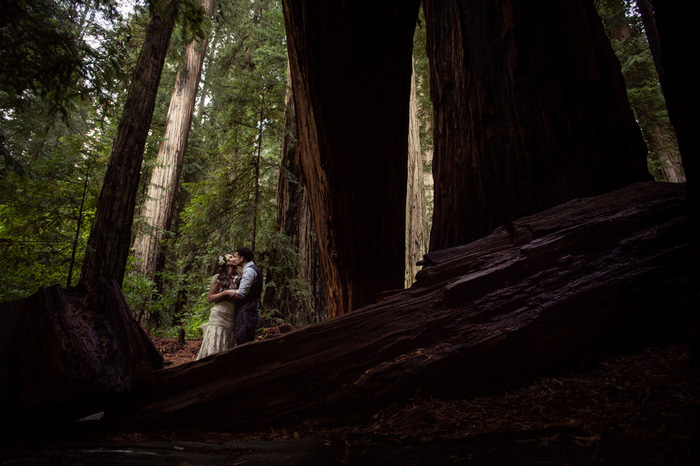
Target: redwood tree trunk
point(63, 351)
point(662, 147)
point(351, 70)
point(576, 280)
point(157, 210)
point(294, 220)
point(530, 111)
point(417, 231)
point(108, 246)
point(675, 32)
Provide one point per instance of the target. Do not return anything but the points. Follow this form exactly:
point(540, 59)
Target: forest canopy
point(65, 69)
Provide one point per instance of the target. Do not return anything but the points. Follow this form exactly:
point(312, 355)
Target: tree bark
point(351, 70)
point(63, 351)
point(294, 220)
point(158, 209)
point(675, 34)
point(417, 231)
point(664, 149)
point(574, 281)
point(110, 237)
point(530, 111)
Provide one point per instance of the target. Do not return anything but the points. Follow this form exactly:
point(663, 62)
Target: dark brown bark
point(573, 281)
point(530, 111)
point(110, 237)
point(63, 351)
point(294, 220)
point(351, 69)
point(676, 36)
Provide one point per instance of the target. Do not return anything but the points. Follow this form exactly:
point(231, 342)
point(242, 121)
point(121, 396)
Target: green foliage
point(46, 53)
point(154, 305)
point(71, 53)
point(270, 319)
point(46, 206)
point(192, 20)
point(624, 27)
point(138, 289)
point(292, 295)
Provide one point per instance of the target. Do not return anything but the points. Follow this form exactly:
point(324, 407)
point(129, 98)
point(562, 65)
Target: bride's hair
point(225, 281)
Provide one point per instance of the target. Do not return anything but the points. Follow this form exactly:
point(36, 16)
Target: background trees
point(57, 128)
point(110, 237)
point(227, 194)
point(158, 207)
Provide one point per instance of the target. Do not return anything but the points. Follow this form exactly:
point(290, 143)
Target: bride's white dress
point(218, 331)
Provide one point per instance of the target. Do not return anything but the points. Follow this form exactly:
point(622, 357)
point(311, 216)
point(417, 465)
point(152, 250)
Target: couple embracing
point(236, 299)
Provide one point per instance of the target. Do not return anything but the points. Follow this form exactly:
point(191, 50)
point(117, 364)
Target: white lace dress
point(218, 331)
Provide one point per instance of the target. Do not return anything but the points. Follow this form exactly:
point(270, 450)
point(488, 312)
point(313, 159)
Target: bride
point(218, 332)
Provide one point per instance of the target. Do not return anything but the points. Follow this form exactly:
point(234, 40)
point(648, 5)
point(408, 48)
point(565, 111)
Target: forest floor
point(641, 407)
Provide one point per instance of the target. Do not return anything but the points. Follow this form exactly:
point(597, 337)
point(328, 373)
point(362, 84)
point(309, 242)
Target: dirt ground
point(640, 407)
point(176, 353)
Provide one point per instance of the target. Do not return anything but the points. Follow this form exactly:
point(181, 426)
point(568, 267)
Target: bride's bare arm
point(214, 296)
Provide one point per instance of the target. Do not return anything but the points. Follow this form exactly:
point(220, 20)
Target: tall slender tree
point(110, 235)
point(159, 207)
point(417, 232)
point(530, 111)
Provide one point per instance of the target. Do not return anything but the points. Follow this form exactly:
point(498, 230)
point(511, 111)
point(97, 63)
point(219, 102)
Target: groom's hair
point(245, 253)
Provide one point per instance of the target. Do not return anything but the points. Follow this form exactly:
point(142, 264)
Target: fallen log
point(62, 351)
point(573, 281)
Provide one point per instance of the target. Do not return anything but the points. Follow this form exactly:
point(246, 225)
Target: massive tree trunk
point(417, 232)
point(158, 208)
point(573, 281)
point(675, 34)
point(63, 351)
point(530, 111)
point(108, 246)
point(294, 220)
point(351, 71)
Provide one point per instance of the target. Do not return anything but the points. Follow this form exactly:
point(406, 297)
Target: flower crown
point(222, 261)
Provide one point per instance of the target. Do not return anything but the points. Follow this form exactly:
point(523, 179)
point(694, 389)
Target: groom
point(247, 296)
